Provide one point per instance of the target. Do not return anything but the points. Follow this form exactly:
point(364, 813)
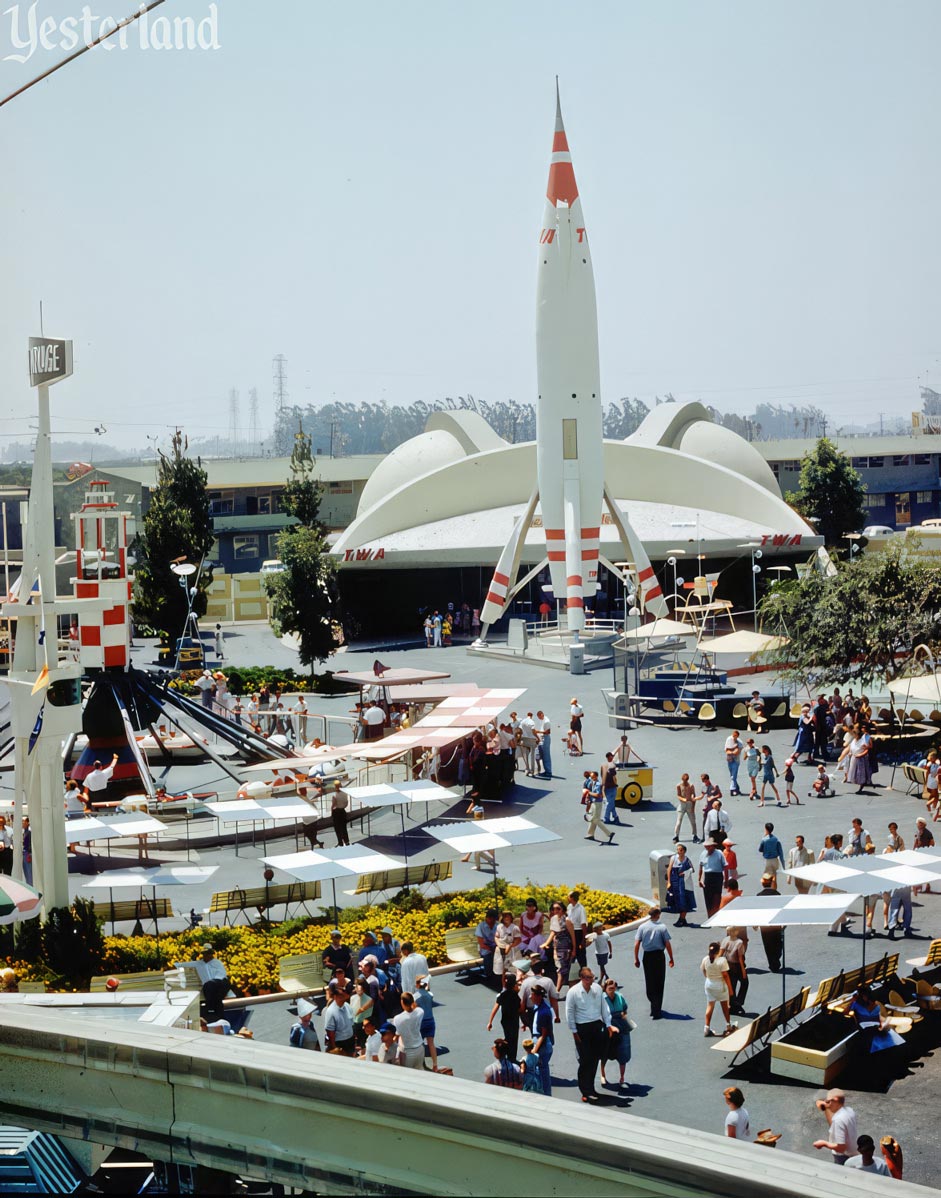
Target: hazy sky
point(360, 187)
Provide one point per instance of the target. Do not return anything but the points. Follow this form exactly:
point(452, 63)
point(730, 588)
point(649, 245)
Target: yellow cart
point(635, 783)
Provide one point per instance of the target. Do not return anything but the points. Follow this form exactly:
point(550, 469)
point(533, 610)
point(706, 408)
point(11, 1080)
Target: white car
point(875, 532)
point(273, 566)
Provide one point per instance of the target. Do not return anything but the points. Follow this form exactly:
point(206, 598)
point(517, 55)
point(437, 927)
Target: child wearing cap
point(603, 948)
point(789, 791)
point(529, 1067)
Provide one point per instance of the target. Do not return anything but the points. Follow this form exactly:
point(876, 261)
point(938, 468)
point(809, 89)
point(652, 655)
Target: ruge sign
point(49, 360)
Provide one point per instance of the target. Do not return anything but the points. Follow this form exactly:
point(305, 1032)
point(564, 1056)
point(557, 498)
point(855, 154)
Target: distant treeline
point(345, 428)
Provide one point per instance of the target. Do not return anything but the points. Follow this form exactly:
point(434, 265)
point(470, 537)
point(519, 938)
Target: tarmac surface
point(674, 1075)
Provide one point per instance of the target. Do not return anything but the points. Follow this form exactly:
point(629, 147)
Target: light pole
point(184, 571)
point(754, 549)
point(677, 579)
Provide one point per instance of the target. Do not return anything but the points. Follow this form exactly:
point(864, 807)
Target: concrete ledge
point(306, 1119)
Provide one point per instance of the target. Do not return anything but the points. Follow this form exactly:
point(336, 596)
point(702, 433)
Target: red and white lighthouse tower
point(102, 573)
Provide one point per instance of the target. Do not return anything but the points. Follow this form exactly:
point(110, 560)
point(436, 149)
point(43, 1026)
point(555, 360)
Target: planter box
point(816, 1051)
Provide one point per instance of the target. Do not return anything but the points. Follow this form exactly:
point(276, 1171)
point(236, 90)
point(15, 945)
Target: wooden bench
point(302, 973)
point(261, 898)
point(152, 980)
point(395, 879)
point(461, 947)
point(760, 1030)
point(134, 909)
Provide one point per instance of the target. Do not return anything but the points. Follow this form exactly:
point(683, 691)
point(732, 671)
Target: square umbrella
point(401, 794)
point(166, 875)
point(482, 835)
point(866, 876)
point(781, 911)
point(324, 865)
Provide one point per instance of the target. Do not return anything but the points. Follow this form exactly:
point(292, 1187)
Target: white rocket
point(570, 484)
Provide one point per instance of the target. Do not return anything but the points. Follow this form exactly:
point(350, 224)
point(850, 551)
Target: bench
point(31, 987)
point(933, 958)
point(461, 947)
point(151, 980)
point(134, 909)
point(395, 879)
point(915, 775)
point(760, 1030)
point(262, 898)
point(302, 973)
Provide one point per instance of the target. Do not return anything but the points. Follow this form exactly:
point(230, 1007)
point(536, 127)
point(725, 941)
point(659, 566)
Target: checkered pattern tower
point(102, 573)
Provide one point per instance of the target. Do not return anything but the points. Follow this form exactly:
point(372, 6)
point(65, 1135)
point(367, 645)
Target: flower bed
point(251, 955)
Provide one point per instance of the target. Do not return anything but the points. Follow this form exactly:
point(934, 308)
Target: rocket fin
point(497, 599)
point(652, 596)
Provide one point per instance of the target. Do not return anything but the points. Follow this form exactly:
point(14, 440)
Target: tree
point(177, 527)
point(830, 493)
point(861, 622)
point(303, 596)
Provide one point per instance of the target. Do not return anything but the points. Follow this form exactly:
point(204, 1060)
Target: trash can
point(577, 658)
point(659, 881)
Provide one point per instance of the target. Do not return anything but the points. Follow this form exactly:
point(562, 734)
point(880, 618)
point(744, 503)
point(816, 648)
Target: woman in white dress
point(507, 935)
point(715, 969)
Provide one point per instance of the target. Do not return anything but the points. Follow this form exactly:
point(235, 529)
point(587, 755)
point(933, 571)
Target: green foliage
point(303, 595)
point(861, 623)
point(177, 526)
point(830, 493)
point(72, 942)
point(246, 680)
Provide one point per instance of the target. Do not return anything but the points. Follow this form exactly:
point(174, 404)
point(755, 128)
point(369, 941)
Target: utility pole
point(280, 376)
point(252, 420)
point(234, 422)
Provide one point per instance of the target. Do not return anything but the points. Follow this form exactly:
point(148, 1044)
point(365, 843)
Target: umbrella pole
point(154, 910)
point(336, 909)
point(783, 965)
point(404, 846)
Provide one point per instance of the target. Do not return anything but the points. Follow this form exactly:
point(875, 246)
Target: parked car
point(272, 566)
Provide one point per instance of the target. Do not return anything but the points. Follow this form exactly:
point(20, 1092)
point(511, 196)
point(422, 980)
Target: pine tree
point(177, 527)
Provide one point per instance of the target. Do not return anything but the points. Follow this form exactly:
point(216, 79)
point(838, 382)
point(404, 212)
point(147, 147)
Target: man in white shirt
point(716, 823)
point(212, 973)
point(373, 720)
point(577, 914)
point(338, 1022)
point(842, 1121)
point(589, 1020)
point(528, 1002)
point(733, 753)
point(797, 857)
point(412, 967)
point(544, 732)
point(96, 782)
point(206, 686)
point(300, 720)
point(865, 1160)
point(528, 742)
point(408, 1028)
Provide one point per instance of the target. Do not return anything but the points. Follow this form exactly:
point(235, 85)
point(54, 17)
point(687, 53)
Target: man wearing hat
point(302, 1034)
point(711, 872)
point(337, 955)
point(205, 685)
point(215, 980)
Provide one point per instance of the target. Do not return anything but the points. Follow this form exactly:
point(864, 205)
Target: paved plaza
point(674, 1074)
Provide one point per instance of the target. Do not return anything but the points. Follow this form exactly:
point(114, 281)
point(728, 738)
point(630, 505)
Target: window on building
point(221, 503)
point(340, 488)
point(860, 463)
point(876, 463)
point(921, 459)
point(264, 505)
point(273, 544)
point(244, 547)
point(871, 501)
point(902, 459)
point(924, 497)
point(903, 508)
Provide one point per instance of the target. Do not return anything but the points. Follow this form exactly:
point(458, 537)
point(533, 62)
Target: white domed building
point(437, 512)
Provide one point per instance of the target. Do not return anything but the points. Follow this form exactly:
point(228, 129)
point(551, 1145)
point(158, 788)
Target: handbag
point(631, 1024)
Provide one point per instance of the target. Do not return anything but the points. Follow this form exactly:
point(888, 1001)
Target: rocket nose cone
point(561, 185)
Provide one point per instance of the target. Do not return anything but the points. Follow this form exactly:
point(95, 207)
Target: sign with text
point(49, 360)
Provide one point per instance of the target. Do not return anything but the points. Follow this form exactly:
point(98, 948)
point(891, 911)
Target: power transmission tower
point(280, 383)
point(252, 419)
point(234, 433)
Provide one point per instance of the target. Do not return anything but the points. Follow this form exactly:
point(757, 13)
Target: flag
point(41, 681)
point(37, 728)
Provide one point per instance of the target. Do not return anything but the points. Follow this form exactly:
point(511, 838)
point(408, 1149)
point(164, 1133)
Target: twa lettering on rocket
point(569, 435)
